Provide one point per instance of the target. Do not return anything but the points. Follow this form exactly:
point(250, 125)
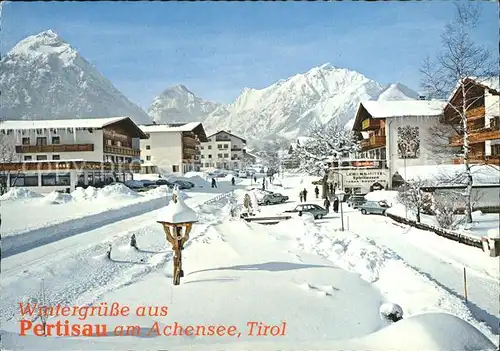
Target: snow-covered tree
point(324, 145)
point(7, 155)
point(411, 195)
point(459, 60)
point(446, 206)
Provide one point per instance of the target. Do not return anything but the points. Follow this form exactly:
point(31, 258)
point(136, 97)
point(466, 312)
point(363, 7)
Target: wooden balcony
point(479, 159)
point(373, 142)
point(121, 150)
point(476, 113)
point(371, 124)
point(477, 136)
point(24, 149)
point(189, 141)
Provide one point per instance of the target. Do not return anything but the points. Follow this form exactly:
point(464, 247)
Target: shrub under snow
point(391, 312)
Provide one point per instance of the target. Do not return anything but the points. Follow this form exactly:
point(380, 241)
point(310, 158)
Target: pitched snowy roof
point(451, 175)
point(152, 128)
point(60, 123)
point(490, 83)
point(404, 108)
point(223, 131)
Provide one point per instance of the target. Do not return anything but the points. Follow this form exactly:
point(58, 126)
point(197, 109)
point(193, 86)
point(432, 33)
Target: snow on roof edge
point(59, 123)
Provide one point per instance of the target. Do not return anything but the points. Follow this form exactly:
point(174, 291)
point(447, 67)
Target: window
point(109, 142)
point(210, 147)
point(202, 147)
point(41, 157)
point(495, 150)
point(23, 180)
point(28, 158)
point(41, 141)
point(26, 141)
point(209, 156)
point(148, 158)
point(175, 168)
point(226, 146)
point(219, 155)
point(494, 123)
point(148, 147)
point(56, 140)
point(202, 156)
point(56, 179)
point(56, 157)
point(226, 155)
point(219, 146)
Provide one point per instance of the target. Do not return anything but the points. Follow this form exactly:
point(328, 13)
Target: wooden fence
point(462, 238)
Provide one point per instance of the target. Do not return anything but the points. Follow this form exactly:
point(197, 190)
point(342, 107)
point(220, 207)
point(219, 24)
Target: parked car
point(356, 200)
point(375, 207)
point(183, 184)
point(317, 211)
point(273, 198)
point(242, 174)
point(164, 182)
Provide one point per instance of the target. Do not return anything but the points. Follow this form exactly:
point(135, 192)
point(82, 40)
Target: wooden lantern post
point(177, 220)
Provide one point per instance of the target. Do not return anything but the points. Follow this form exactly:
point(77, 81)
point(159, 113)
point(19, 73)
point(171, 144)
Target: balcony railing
point(24, 149)
point(120, 150)
point(371, 124)
point(373, 142)
point(477, 136)
point(479, 159)
point(186, 140)
point(236, 149)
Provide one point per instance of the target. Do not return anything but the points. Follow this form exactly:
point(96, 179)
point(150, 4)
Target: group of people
point(326, 203)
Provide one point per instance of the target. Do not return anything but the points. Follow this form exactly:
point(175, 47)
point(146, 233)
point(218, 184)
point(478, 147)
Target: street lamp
point(341, 196)
point(177, 220)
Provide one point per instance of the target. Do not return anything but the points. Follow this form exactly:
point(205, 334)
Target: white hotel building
point(395, 135)
point(223, 150)
point(172, 148)
point(48, 155)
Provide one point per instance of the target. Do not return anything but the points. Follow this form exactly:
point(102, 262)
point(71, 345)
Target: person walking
point(214, 183)
point(326, 203)
point(305, 194)
point(301, 196)
point(336, 205)
point(316, 191)
point(232, 181)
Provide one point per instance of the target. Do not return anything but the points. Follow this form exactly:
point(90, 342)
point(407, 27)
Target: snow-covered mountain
point(43, 77)
point(178, 104)
point(285, 109)
point(398, 91)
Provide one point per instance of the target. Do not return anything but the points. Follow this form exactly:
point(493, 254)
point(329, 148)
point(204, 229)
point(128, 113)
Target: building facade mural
point(409, 142)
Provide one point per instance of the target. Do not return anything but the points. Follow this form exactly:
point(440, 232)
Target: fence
point(219, 197)
point(449, 234)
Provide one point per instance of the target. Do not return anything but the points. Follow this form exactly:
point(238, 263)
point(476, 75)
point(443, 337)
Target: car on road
point(242, 174)
point(273, 198)
point(375, 207)
point(356, 200)
point(317, 211)
point(164, 182)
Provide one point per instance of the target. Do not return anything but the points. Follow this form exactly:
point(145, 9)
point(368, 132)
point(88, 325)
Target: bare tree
point(325, 144)
point(413, 197)
point(446, 206)
point(459, 61)
point(7, 155)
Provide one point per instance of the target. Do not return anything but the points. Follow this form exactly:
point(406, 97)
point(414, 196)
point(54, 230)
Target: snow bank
point(56, 198)
point(19, 194)
point(390, 196)
point(116, 190)
point(493, 233)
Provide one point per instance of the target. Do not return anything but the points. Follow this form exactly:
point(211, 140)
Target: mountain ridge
point(44, 77)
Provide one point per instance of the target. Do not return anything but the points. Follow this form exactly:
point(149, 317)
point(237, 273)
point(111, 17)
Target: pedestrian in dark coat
point(316, 191)
point(304, 192)
point(336, 205)
point(214, 184)
point(301, 196)
point(232, 181)
point(327, 205)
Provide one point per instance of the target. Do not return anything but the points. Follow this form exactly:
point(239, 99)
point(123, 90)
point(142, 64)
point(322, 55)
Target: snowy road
point(437, 265)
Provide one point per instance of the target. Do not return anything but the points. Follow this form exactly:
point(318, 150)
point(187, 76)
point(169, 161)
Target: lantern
point(177, 219)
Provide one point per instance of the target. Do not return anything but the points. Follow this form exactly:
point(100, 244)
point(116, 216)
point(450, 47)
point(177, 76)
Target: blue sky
point(218, 48)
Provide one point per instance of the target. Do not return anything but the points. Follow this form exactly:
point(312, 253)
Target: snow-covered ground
point(325, 285)
point(482, 222)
